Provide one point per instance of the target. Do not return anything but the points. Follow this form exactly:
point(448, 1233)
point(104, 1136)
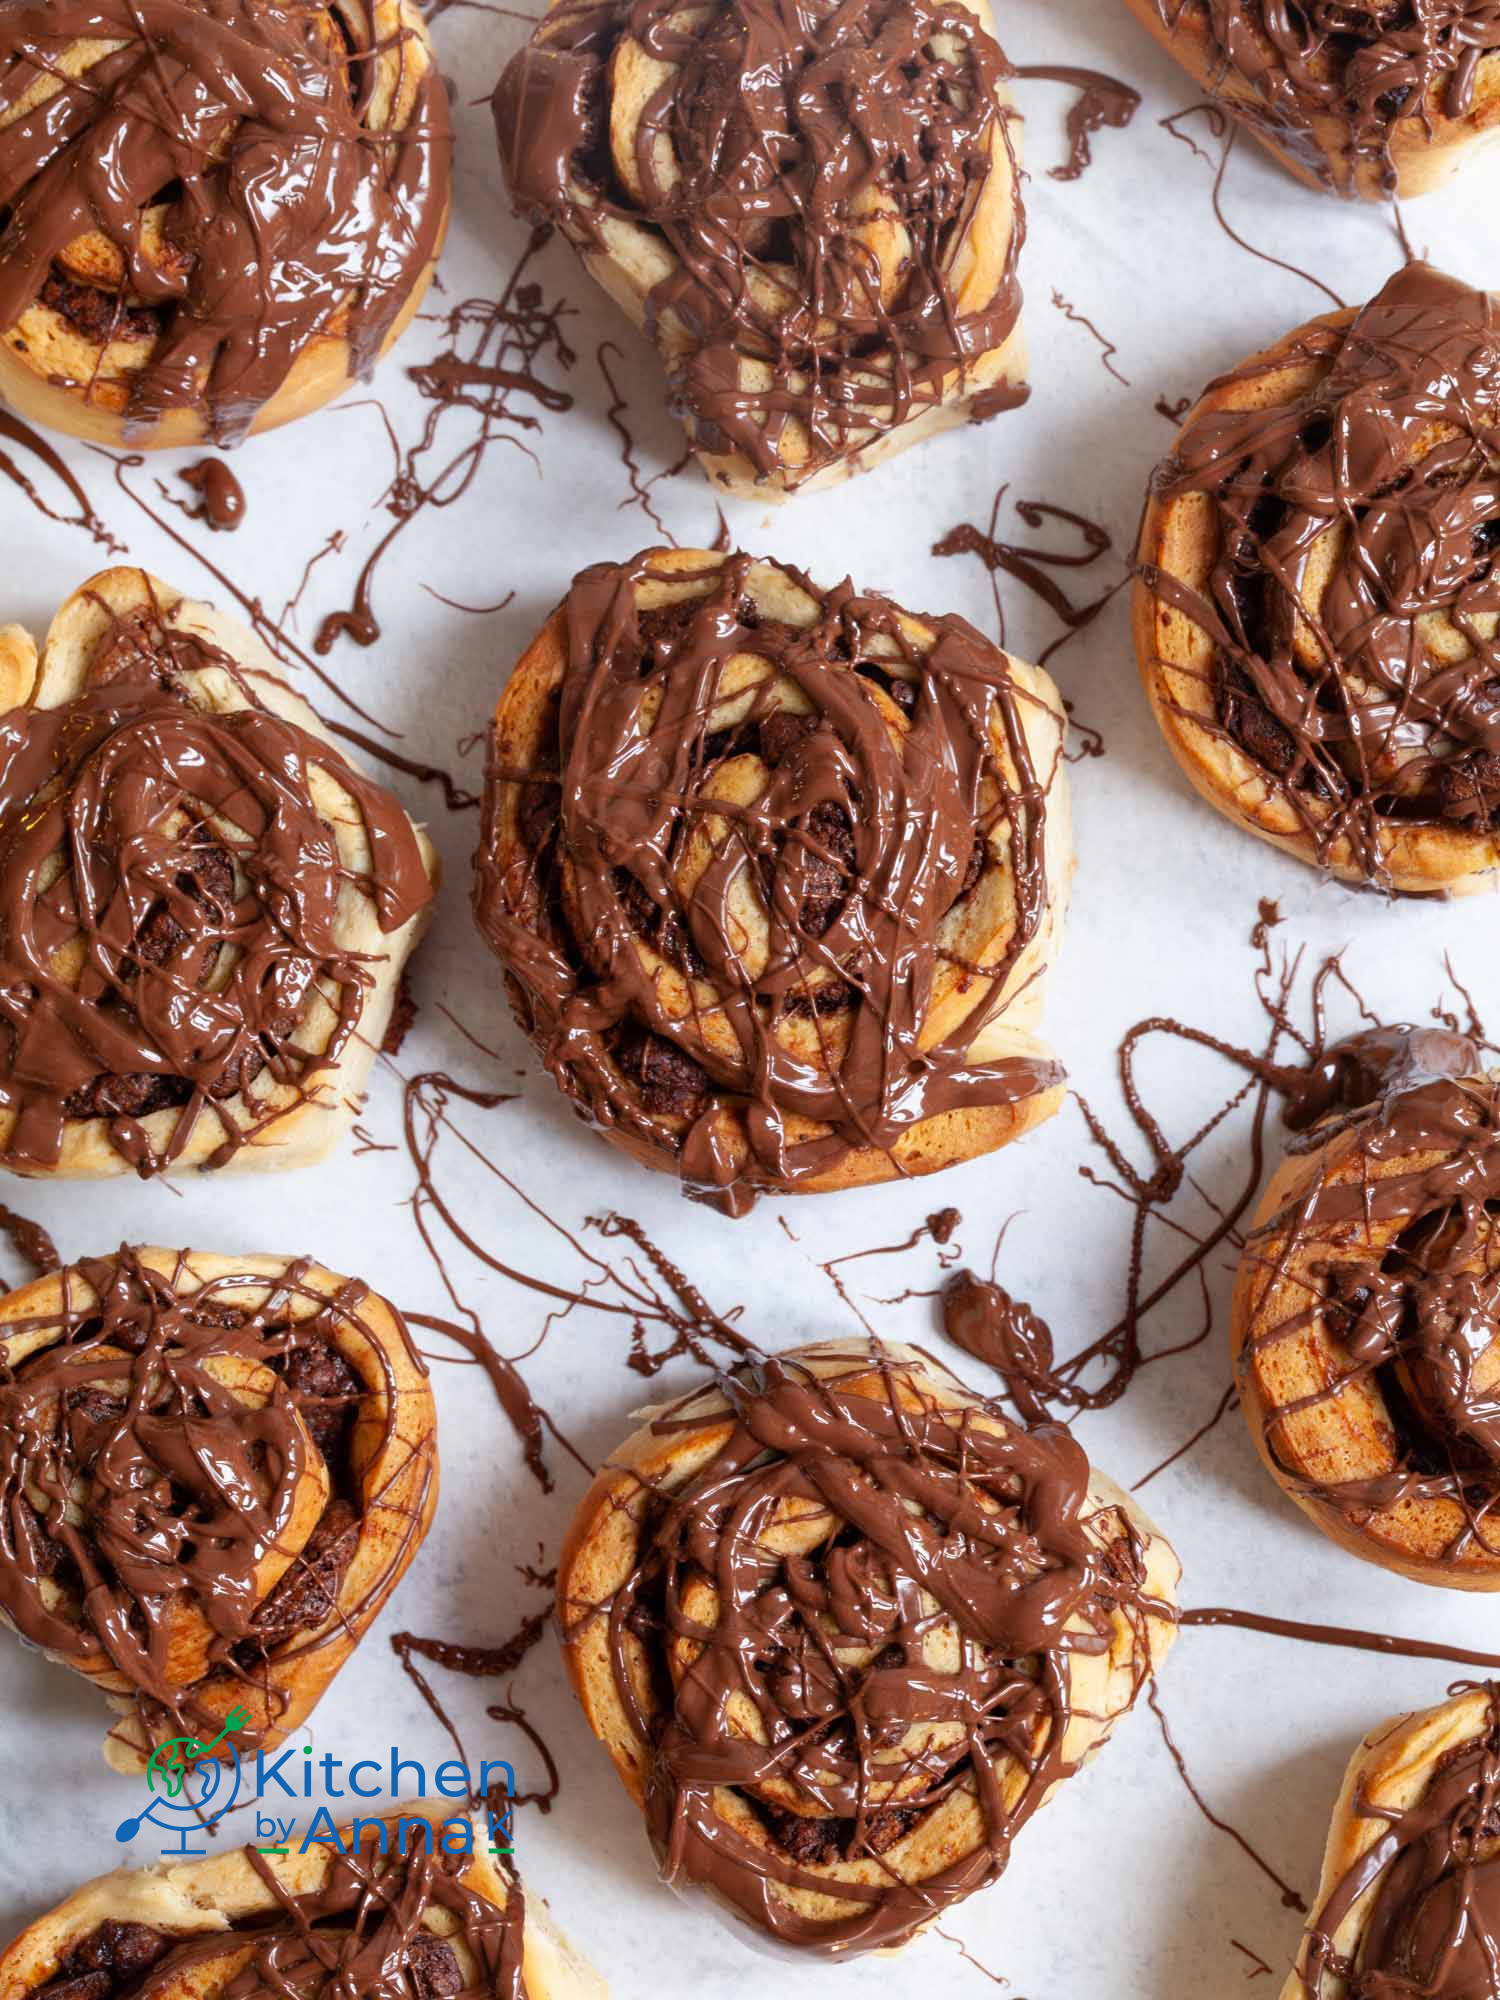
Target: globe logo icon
point(192, 1785)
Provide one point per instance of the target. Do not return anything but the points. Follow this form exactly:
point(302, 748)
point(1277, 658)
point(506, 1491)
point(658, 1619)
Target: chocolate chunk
point(325, 1389)
point(975, 869)
point(1470, 788)
point(432, 1967)
point(209, 881)
point(781, 731)
point(816, 1842)
point(671, 1083)
point(1254, 727)
point(98, 315)
point(108, 1959)
point(46, 1554)
point(403, 1017)
point(308, 1592)
point(826, 874)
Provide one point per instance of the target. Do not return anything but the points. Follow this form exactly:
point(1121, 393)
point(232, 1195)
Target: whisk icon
point(193, 1783)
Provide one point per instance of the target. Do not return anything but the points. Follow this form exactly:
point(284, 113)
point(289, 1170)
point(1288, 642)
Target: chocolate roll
point(1368, 98)
point(1318, 596)
point(1366, 1317)
point(396, 1912)
point(1409, 1901)
point(814, 211)
point(213, 1473)
point(777, 874)
point(843, 1628)
point(216, 213)
point(205, 908)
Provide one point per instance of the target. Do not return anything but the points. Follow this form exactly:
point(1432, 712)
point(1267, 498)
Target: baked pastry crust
point(1351, 820)
point(827, 1542)
point(798, 359)
point(1424, 148)
point(294, 1109)
point(371, 1484)
point(234, 1892)
point(80, 352)
point(1359, 1316)
point(1007, 924)
point(1389, 1794)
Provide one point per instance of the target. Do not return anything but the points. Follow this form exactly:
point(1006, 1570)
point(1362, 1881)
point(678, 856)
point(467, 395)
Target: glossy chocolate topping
point(1354, 595)
point(858, 1606)
point(181, 1489)
point(1422, 1315)
point(1432, 1928)
point(809, 177)
point(1371, 66)
point(170, 903)
point(741, 870)
point(366, 1931)
point(213, 183)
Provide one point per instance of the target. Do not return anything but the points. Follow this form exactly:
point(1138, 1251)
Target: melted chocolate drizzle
point(912, 1634)
point(160, 1448)
point(1102, 100)
point(877, 776)
point(1372, 66)
point(221, 496)
point(1355, 589)
point(811, 174)
point(160, 836)
point(227, 165)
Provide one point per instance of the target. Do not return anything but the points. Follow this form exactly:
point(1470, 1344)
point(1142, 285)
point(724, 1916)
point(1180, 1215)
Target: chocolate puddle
point(1102, 100)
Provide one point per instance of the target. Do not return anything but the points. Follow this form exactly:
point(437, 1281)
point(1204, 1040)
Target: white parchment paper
point(1120, 1888)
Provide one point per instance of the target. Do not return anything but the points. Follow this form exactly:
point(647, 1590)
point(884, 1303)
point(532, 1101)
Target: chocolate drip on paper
point(1102, 100)
point(24, 438)
point(860, 1601)
point(1371, 66)
point(155, 1446)
point(181, 853)
point(1432, 1925)
point(30, 1241)
point(1354, 592)
point(221, 496)
point(883, 783)
point(812, 175)
point(223, 163)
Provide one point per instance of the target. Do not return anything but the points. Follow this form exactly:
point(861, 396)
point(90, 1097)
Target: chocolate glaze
point(1355, 588)
point(142, 1483)
point(222, 498)
point(1102, 100)
point(855, 1743)
point(1372, 66)
point(865, 788)
point(365, 1931)
point(136, 783)
point(227, 156)
point(760, 158)
point(1423, 1317)
point(1432, 1926)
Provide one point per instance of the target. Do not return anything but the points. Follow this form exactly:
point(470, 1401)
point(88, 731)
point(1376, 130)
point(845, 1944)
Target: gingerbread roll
point(217, 213)
point(1318, 597)
point(213, 1473)
point(843, 1628)
point(777, 874)
point(813, 211)
point(205, 908)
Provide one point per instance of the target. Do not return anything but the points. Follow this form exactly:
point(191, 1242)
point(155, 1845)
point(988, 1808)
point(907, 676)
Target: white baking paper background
point(1119, 1890)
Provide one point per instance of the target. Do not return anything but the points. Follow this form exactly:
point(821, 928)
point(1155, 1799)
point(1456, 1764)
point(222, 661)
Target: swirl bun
point(214, 1472)
point(777, 874)
point(1318, 599)
point(1409, 1901)
point(217, 212)
point(1364, 97)
point(394, 1913)
point(813, 211)
point(843, 1628)
point(1366, 1314)
point(176, 825)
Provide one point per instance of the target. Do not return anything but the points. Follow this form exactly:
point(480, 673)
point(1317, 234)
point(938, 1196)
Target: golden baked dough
point(842, 1628)
point(247, 1904)
point(818, 744)
point(184, 894)
point(313, 1428)
point(819, 302)
point(262, 234)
